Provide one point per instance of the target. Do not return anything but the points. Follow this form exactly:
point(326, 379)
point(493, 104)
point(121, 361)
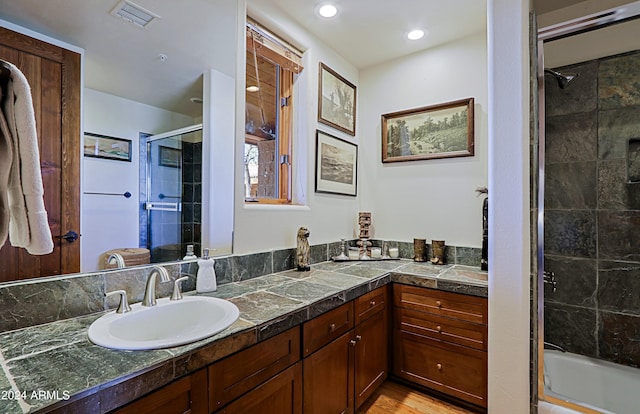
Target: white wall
point(509, 242)
point(432, 199)
point(218, 162)
point(328, 217)
point(109, 222)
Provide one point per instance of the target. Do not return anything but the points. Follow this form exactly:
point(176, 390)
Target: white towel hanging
point(28, 223)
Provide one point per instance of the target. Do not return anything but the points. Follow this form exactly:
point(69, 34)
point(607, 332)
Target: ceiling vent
point(133, 13)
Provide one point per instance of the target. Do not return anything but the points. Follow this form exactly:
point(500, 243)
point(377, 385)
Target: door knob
point(71, 236)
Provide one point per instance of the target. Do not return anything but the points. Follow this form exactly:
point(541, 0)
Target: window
point(271, 71)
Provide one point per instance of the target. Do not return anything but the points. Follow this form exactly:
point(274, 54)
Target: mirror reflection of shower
point(171, 193)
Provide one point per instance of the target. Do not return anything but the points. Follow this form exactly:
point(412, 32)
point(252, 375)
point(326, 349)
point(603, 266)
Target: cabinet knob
point(439, 328)
point(358, 338)
point(372, 303)
point(352, 342)
point(439, 366)
point(332, 327)
point(438, 304)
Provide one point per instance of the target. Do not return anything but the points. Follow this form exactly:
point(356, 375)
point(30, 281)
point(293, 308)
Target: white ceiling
point(122, 59)
point(368, 32)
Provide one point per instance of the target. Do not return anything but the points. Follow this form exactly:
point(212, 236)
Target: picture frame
point(169, 156)
point(336, 165)
point(336, 101)
point(438, 131)
point(102, 146)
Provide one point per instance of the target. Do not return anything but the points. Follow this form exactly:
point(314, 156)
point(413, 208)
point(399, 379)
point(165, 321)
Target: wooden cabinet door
point(184, 396)
point(281, 394)
point(371, 355)
point(328, 378)
point(54, 76)
point(237, 374)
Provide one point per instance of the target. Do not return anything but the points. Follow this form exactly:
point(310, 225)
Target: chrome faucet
point(150, 289)
point(117, 259)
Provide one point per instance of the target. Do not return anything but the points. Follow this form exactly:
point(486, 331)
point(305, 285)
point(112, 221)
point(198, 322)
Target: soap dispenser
point(206, 276)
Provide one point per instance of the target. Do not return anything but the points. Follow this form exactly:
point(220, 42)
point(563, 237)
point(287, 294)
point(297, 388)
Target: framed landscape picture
point(438, 131)
point(336, 165)
point(337, 101)
point(102, 146)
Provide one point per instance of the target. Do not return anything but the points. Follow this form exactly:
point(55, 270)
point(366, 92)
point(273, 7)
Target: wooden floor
point(396, 398)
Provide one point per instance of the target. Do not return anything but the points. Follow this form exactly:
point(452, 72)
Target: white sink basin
point(169, 323)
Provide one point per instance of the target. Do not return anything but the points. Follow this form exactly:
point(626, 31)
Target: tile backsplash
point(38, 301)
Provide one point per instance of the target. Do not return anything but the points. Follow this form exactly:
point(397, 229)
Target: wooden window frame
point(288, 66)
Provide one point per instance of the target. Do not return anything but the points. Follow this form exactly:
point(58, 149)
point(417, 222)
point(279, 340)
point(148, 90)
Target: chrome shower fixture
point(562, 79)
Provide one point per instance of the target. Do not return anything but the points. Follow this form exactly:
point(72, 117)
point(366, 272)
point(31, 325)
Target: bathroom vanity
point(301, 337)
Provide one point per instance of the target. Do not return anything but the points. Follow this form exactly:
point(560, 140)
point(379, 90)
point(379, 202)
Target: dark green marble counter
point(55, 366)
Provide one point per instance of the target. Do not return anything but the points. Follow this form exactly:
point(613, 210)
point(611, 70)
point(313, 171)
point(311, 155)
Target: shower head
point(562, 79)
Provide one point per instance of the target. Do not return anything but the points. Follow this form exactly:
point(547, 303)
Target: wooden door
point(328, 378)
point(371, 357)
point(54, 76)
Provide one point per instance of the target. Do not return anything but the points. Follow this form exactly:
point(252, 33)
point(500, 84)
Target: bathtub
point(599, 385)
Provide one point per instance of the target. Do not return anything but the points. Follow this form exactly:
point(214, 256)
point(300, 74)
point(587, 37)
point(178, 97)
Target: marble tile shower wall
point(592, 217)
point(191, 195)
point(34, 302)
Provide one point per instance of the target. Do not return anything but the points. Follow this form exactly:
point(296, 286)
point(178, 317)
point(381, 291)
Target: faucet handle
point(123, 306)
point(177, 291)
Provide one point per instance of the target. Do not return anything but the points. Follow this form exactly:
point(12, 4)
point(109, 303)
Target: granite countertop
point(48, 366)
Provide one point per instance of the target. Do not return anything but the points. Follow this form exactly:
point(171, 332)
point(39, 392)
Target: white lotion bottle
point(206, 276)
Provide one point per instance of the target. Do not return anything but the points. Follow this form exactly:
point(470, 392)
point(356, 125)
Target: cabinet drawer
point(448, 368)
point(371, 303)
point(237, 374)
point(327, 327)
point(281, 394)
point(452, 305)
point(441, 328)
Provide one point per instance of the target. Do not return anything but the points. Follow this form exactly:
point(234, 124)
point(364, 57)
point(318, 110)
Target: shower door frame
point(557, 31)
point(148, 141)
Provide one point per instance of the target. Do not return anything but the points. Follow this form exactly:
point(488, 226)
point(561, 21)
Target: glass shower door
point(164, 198)
point(172, 188)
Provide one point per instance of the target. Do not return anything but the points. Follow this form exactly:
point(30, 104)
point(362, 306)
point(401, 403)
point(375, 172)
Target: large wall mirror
point(147, 105)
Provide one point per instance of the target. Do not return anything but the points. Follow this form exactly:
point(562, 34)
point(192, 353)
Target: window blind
point(272, 47)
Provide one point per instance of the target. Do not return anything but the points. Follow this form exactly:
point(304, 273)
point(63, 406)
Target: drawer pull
point(438, 304)
point(372, 303)
point(332, 327)
point(352, 342)
point(439, 366)
point(439, 328)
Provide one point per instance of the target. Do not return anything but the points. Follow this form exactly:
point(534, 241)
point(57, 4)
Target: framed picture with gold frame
point(436, 131)
point(336, 101)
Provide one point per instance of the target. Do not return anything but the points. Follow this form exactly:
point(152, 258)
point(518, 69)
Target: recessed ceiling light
point(252, 88)
point(327, 10)
point(415, 34)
